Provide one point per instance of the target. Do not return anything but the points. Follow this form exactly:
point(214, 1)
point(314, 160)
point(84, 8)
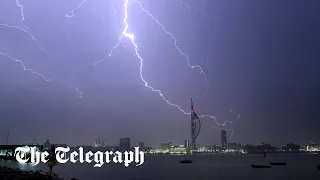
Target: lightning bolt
point(131, 37)
point(24, 67)
point(175, 42)
point(119, 37)
point(77, 89)
point(164, 30)
point(113, 17)
point(185, 4)
point(231, 130)
point(76, 8)
point(28, 33)
point(21, 10)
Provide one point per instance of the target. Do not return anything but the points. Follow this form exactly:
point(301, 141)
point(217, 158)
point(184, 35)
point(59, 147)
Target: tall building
point(141, 145)
point(186, 143)
point(195, 127)
point(224, 142)
point(124, 144)
point(47, 145)
point(170, 145)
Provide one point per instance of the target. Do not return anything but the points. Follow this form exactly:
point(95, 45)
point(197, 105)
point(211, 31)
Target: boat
point(260, 166)
point(278, 163)
point(274, 163)
point(186, 161)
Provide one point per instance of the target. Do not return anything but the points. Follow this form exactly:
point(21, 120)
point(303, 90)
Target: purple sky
point(261, 59)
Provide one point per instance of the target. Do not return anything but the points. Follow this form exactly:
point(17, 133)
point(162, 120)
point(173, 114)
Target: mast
point(7, 138)
point(274, 150)
point(192, 128)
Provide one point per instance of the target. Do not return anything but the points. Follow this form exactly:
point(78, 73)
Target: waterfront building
point(141, 145)
point(224, 143)
point(186, 143)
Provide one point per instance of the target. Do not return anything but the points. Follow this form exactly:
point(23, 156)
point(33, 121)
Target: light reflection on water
point(23, 166)
point(26, 166)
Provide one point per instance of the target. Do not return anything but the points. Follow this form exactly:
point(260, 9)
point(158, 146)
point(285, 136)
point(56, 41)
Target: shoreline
point(16, 173)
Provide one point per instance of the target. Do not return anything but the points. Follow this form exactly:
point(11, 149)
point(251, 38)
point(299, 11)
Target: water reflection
point(23, 166)
point(26, 166)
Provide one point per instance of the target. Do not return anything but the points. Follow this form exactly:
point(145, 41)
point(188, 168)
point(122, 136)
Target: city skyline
point(125, 143)
point(263, 68)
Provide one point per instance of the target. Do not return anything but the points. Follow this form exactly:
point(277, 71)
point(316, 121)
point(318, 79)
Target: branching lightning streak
point(27, 32)
point(232, 130)
point(184, 3)
point(116, 28)
point(21, 10)
point(165, 30)
point(175, 41)
point(132, 39)
point(77, 89)
point(113, 17)
point(111, 51)
point(24, 67)
point(119, 37)
point(76, 8)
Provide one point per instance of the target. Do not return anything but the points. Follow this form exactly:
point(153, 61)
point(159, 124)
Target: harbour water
point(204, 167)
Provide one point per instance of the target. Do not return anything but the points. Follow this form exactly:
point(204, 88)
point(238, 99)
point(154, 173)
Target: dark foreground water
point(204, 167)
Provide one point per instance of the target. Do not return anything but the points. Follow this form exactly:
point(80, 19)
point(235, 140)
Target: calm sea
point(204, 167)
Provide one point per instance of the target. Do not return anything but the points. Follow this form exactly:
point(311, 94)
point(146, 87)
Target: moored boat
point(260, 166)
point(278, 163)
point(186, 161)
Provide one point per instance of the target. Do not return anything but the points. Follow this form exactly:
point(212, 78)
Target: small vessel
point(260, 166)
point(186, 161)
point(278, 163)
point(274, 163)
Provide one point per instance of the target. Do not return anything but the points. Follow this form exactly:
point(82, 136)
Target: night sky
point(261, 59)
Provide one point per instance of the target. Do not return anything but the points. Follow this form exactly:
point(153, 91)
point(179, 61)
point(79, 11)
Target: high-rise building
point(195, 127)
point(141, 145)
point(47, 145)
point(170, 145)
point(224, 142)
point(186, 143)
point(124, 144)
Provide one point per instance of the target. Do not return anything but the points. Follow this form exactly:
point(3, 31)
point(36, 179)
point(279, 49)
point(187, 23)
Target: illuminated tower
point(195, 127)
